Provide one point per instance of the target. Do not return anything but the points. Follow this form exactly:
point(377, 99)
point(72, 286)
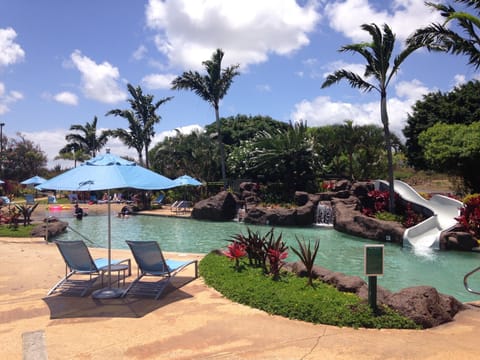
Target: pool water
point(338, 252)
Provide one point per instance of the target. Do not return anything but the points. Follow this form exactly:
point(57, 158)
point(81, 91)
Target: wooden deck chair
point(151, 262)
point(79, 261)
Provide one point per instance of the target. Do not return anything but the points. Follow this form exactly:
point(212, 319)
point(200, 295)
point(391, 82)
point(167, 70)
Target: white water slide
point(427, 233)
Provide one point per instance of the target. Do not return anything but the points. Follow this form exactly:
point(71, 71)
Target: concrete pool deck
point(192, 322)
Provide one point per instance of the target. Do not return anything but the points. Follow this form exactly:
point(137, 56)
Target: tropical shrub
point(376, 205)
point(235, 251)
point(470, 215)
point(307, 256)
point(261, 250)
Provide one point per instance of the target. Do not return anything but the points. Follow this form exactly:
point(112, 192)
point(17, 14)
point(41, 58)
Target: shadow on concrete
point(66, 306)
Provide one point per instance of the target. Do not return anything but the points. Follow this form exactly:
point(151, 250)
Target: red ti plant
point(235, 251)
point(276, 252)
point(470, 215)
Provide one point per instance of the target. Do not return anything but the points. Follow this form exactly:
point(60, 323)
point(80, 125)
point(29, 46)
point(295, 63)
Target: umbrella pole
point(108, 292)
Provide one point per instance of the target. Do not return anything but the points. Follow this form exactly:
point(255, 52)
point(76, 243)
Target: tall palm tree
point(438, 37)
point(141, 121)
point(377, 75)
point(85, 140)
point(211, 87)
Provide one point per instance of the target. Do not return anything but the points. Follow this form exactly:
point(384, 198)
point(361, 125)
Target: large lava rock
point(50, 229)
point(298, 216)
point(425, 305)
point(348, 219)
point(221, 207)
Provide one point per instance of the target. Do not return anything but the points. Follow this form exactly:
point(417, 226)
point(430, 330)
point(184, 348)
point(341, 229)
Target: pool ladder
point(465, 283)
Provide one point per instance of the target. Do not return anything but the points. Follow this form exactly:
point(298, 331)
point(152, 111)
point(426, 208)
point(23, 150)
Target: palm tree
point(141, 121)
point(211, 87)
point(85, 142)
point(377, 54)
point(438, 37)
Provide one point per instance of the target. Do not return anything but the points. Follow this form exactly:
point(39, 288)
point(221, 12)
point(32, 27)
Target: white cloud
point(347, 16)
point(159, 81)
point(247, 30)
point(10, 52)
point(140, 52)
point(66, 98)
point(99, 81)
point(7, 98)
point(323, 111)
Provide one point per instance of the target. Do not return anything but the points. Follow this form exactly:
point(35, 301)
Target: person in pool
point(79, 213)
point(124, 212)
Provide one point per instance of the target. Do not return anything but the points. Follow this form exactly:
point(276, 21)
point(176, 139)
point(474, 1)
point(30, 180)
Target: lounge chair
point(79, 261)
point(159, 200)
point(29, 199)
point(151, 262)
point(180, 206)
point(73, 198)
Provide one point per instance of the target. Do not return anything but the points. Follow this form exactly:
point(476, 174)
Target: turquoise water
point(339, 252)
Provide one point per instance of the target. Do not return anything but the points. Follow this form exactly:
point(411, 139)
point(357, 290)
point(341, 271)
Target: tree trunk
point(386, 130)
point(221, 147)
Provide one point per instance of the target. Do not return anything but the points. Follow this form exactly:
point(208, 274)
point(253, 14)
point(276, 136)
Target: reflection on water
point(338, 252)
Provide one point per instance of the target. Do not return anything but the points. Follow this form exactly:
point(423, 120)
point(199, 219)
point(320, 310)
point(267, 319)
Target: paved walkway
point(193, 322)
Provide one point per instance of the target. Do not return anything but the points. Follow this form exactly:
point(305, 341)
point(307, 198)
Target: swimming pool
point(338, 252)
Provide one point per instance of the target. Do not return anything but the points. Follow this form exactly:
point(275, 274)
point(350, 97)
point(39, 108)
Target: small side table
point(118, 268)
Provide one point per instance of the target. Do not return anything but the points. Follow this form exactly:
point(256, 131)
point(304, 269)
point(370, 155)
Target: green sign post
point(373, 256)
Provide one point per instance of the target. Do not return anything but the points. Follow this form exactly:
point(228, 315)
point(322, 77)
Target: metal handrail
point(465, 283)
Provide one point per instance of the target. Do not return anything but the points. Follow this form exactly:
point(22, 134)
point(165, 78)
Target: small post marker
point(373, 256)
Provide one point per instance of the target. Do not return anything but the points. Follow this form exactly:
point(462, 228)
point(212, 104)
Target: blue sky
point(64, 62)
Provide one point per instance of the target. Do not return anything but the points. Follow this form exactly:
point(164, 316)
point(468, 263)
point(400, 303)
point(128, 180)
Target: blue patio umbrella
point(186, 180)
point(35, 180)
point(106, 172)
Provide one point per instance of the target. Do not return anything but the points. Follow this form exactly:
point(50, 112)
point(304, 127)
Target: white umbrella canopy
point(106, 172)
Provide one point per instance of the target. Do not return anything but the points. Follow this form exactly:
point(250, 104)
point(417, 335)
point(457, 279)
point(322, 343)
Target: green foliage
point(289, 297)
point(387, 216)
point(454, 149)
point(16, 232)
point(307, 256)
point(460, 106)
point(26, 211)
point(286, 157)
point(21, 158)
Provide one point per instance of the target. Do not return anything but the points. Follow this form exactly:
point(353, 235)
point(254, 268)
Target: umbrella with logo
point(106, 172)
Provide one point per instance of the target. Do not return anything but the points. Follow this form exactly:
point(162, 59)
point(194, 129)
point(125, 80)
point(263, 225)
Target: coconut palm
point(211, 87)
point(377, 75)
point(438, 37)
point(84, 141)
point(141, 121)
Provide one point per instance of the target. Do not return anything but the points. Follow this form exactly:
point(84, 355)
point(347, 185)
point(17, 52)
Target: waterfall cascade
point(324, 215)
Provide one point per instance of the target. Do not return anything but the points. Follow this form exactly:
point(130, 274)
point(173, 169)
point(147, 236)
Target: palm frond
point(355, 80)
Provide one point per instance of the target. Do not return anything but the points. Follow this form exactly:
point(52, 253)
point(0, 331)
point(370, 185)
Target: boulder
point(457, 240)
point(350, 220)
point(279, 216)
point(221, 207)
point(49, 230)
point(425, 305)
